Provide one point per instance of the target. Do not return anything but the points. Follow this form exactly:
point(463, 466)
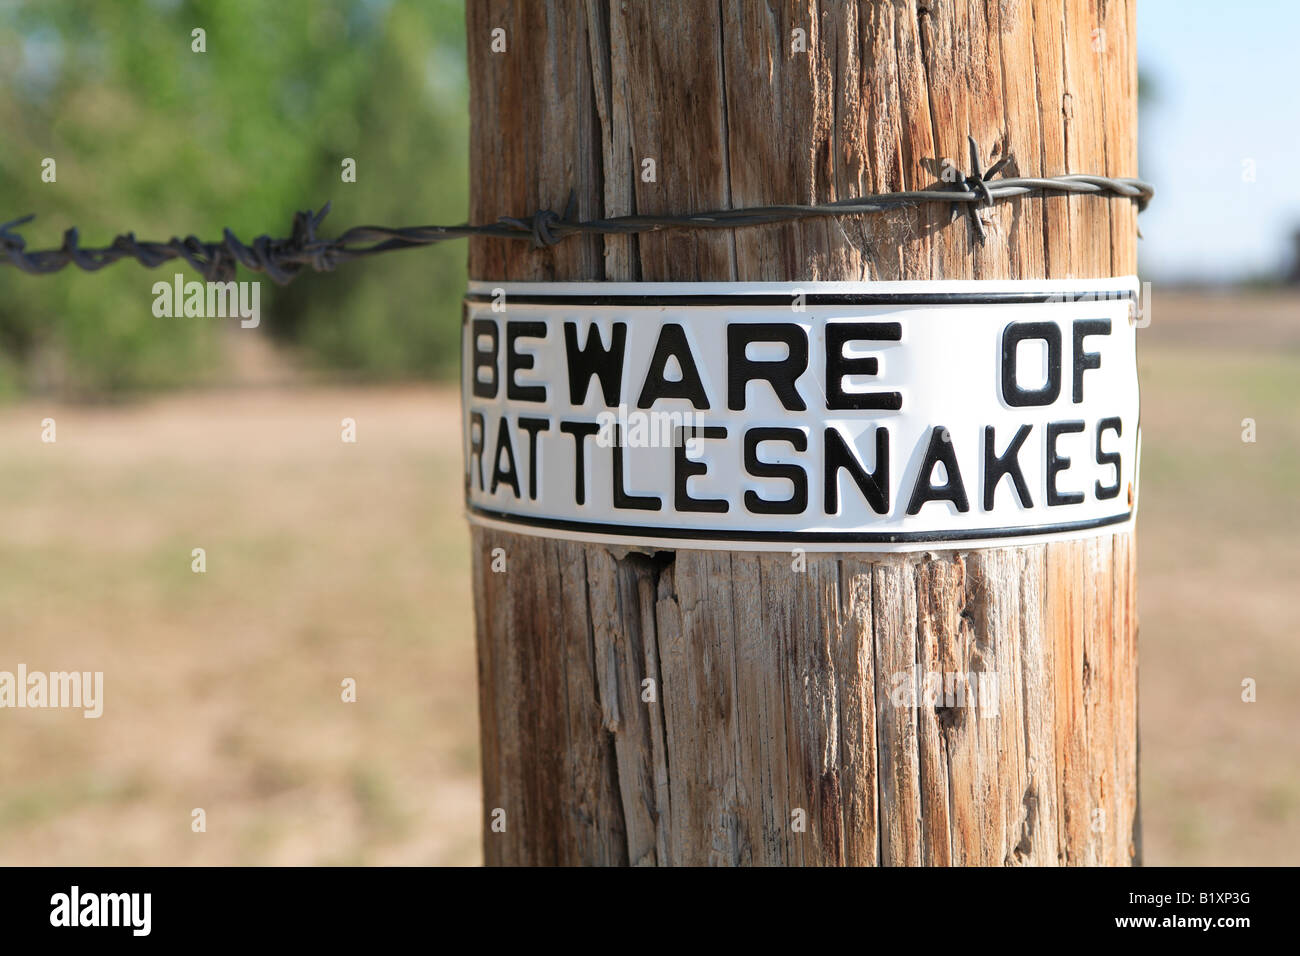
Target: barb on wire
point(283, 259)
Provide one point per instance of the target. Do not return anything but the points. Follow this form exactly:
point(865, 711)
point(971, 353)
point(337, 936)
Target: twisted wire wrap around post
point(284, 259)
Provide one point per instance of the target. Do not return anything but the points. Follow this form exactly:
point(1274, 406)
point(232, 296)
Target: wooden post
point(772, 686)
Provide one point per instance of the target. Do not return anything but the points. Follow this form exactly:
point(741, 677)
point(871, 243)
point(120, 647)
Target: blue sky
point(1226, 100)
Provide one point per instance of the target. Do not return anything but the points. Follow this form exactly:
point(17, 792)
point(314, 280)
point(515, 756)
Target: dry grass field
point(328, 560)
point(325, 561)
point(1219, 548)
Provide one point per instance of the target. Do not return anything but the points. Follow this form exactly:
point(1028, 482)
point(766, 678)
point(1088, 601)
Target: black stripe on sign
point(822, 298)
point(835, 537)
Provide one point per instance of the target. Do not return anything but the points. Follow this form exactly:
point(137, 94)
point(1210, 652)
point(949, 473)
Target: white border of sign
point(945, 366)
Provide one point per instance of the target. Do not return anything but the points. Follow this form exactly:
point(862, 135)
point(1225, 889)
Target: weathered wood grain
point(772, 690)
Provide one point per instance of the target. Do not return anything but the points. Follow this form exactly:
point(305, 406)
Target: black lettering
point(780, 373)
point(837, 366)
point(594, 359)
point(516, 361)
point(873, 485)
point(797, 503)
point(533, 426)
point(1012, 336)
point(509, 475)
point(485, 358)
point(580, 431)
point(1086, 360)
point(1007, 464)
point(1105, 492)
point(672, 343)
point(939, 450)
point(1057, 463)
point(476, 445)
point(621, 498)
point(684, 469)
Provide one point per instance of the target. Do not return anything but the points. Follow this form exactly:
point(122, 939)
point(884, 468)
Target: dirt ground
point(327, 561)
point(1219, 545)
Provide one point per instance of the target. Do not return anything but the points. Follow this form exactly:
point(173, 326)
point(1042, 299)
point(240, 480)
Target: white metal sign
point(865, 416)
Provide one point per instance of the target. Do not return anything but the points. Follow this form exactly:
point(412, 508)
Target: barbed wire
point(283, 259)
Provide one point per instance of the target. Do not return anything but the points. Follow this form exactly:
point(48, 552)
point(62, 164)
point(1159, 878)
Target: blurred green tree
point(151, 137)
